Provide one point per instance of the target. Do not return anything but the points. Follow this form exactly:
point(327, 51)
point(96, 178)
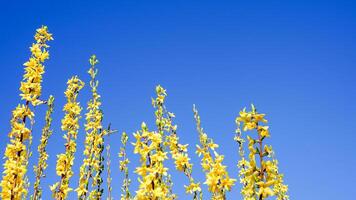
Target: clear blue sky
point(295, 60)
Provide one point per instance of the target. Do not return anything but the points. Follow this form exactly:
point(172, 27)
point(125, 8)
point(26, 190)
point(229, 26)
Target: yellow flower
point(193, 187)
point(263, 131)
point(181, 161)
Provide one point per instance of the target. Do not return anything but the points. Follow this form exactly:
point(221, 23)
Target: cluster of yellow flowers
point(217, 178)
point(70, 124)
point(16, 153)
point(31, 85)
point(258, 170)
point(164, 122)
point(152, 155)
point(261, 178)
point(43, 155)
point(124, 161)
point(152, 148)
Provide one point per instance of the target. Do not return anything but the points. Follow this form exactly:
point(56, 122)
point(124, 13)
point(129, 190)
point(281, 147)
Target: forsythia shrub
point(258, 168)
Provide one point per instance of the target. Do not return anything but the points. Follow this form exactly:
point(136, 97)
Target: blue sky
point(293, 59)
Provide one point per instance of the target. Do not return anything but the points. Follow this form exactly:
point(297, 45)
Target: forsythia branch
point(16, 154)
point(70, 124)
point(177, 150)
point(261, 179)
point(43, 155)
point(217, 177)
point(93, 140)
point(108, 171)
point(124, 161)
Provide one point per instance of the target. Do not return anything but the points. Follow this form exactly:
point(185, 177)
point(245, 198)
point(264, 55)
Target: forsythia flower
point(178, 151)
point(43, 155)
point(15, 167)
point(217, 178)
point(70, 124)
point(263, 181)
